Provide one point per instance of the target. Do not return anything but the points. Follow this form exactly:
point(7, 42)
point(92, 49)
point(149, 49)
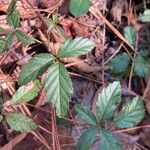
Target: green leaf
point(143, 52)
point(119, 64)
point(130, 34)
point(20, 122)
point(12, 6)
point(108, 141)
point(26, 93)
point(1, 118)
point(8, 39)
point(79, 7)
point(2, 45)
point(58, 88)
point(145, 17)
point(76, 47)
point(24, 38)
point(86, 139)
point(141, 67)
point(35, 67)
point(86, 114)
point(13, 19)
point(107, 101)
point(131, 114)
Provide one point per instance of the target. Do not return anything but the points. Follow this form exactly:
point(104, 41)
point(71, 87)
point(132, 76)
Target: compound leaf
point(76, 47)
point(86, 114)
point(24, 38)
point(107, 101)
point(35, 67)
point(119, 64)
point(141, 67)
point(26, 93)
point(79, 7)
point(131, 114)
point(20, 122)
point(86, 139)
point(58, 88)
point(130, 34)
point(145, 17)
point(108, 141)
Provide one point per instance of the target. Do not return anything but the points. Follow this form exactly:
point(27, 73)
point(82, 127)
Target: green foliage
point(145, 17)
point(79, 7)
point(76, 47)
point(13, 19)
point(24, 38)
point(2, 45)
point(20, 122)
point(87, 139)
point(131, 114)
point(1, 118)
point(27, 93)
point(35, 67)
point(9, 39)
point(107, 101)
point(119, 64)
point(58, 88)
point(86, 114)
point(130, 34)
point(11, 8)
point(108, 141)
point(141, 67)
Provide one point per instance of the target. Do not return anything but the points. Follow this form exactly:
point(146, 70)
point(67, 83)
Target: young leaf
point(79, 7)
point(141, 67)
point(8, 39)
point(145, 17)
point(86, 114)
point(20, 122)
point(86, 139)
point(144, 52)
point(24, 38)
point(130, 34)
point(76, 47)
point(108, 141)
point(58, 88)
point(12, 6)
point(26, 93)
point(2, 45)
point(1, 118)
point(131, 114)
point(35, 67)
point(107, 101)
point(13, 19)
point(119, 64)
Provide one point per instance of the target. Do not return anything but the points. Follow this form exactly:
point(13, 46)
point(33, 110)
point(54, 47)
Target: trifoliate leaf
point(131, 114)
point(35, 67)
point(79, 7)
point(130, 34)
point(24, 38)
point(86, 114)
point(12, 6)
point(1, 118)
point(26, 93)
point(58, 88)
point(108, 141)
point(141, 67)
point(2, 45)
point(13, 19)
point(119, 64)
point(145, 17)
point(76, 47)
point(107, 101)
point(86, 139)
point(20, 122)
point(8, 39)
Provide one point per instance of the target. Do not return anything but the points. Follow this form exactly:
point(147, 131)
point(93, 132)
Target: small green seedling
point(130, 115)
